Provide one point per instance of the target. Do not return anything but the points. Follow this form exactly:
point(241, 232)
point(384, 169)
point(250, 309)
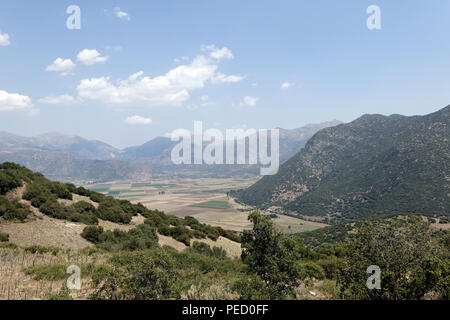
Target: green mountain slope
point(373, 165)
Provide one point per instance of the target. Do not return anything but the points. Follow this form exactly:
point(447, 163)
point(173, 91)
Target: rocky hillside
point(375, 164)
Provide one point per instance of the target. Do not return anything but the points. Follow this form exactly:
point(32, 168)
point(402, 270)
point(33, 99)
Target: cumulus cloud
point(16, 102)
point(218, 54)
point(170, 89)
point(138, 120)
point(63, 66)
point(248, 101)
point(183, 58)
point(121, 14)
point(4, 39)
point(61, 99)
point(287, 85)
point(89, 57)
point(222, 78)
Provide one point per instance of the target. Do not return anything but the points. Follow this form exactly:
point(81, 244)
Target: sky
point(135, 70)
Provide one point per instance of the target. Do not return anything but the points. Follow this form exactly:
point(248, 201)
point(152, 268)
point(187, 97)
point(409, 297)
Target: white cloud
point(63, 66)
point(204, 98)
point(114, 48)
point(62, 99)
point(170, 89)
point(4, 39)
point(218, 54)
point(287, 85)
point(17, 102)
point(89, 57)
point(183, 58)
point(248, 101)
point(138, 120)
point(121, 14)
point(222, 78)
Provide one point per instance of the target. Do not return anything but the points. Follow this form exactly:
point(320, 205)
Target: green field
point(131, 195)
point(100, 190)
point(207, 191)
point(162, 185)
point(213, 205)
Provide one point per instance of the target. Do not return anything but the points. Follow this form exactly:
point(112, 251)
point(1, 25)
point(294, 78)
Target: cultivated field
point(204, 198)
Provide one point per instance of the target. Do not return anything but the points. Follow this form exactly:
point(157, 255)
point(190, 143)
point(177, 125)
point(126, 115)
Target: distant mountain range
point(76, 159)
point(373, 165)
point(90, 149)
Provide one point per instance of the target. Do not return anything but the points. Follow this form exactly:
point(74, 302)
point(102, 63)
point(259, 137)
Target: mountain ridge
point(374, 164)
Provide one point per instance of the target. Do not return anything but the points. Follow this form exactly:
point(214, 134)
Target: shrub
point(310, 269)
point(251, 287)
point(95, 196)
point(137, 276)
point(203, 248)
point(8, 183)
point(13, 210)
point(411, 262)
point(110, 209)
point(4, 237)
point(60, 191)
point(330, 265)
point(141, 237)
point(92, 233)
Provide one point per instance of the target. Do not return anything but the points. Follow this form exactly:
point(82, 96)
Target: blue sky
point(140, 69)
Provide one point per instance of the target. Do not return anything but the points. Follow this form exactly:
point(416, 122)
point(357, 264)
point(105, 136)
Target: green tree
point(410, 260)
point(272, 256)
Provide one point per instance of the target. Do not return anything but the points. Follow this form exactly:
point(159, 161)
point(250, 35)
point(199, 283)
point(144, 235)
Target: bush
point(13, 210)
point(330, 265)
point(309, 270)
point(139, 238)
point(8, 183)
point(411, 262)
point(251, 287)
point(137, 276)
point(203, 248)
point(72, 213)
point(110, 209)
point(4, 237)
point(60, 191)
point(92, 234)
point(38, 194)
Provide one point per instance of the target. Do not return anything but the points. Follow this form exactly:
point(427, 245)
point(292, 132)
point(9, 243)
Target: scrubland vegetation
point(331, 262)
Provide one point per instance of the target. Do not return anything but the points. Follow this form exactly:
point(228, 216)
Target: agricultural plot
point(213, 205)
point(205, 199)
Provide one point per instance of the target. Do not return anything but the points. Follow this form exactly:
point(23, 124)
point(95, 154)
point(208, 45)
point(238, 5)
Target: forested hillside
point(373, 165)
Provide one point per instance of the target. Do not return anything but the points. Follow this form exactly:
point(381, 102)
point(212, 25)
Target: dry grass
point(46, 231)
point(16, 285)
point(232, 248)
